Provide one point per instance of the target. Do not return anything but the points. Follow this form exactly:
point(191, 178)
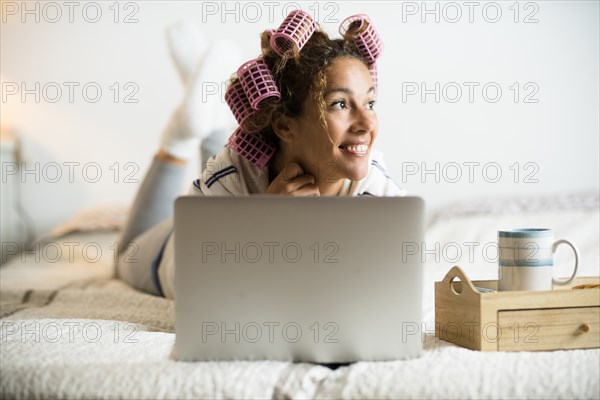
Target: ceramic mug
point(526, 259)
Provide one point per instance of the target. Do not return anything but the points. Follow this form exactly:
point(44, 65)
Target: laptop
point(307, 279)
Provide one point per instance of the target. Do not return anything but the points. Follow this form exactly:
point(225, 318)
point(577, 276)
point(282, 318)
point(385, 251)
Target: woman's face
point(351, 123)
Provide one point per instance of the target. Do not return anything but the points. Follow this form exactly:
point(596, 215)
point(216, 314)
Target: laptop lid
point(325, 279)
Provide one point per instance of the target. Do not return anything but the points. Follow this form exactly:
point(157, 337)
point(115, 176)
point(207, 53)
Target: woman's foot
point(187, 45)
point(203, 112)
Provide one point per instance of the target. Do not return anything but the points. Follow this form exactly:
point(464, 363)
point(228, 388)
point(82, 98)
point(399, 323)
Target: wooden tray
point(563, 318)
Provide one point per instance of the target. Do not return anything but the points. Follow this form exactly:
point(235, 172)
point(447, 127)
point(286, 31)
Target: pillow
point(102, 217)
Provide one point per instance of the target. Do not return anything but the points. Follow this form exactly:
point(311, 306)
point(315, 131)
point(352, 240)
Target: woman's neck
point(326, 188)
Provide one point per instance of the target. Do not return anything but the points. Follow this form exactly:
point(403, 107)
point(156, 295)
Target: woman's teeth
point(356, 149)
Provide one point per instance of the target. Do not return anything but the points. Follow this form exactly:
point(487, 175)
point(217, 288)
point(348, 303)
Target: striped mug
point(526, 259)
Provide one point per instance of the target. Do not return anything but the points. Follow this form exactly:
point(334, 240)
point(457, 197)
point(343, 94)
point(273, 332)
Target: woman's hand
point(293, 181)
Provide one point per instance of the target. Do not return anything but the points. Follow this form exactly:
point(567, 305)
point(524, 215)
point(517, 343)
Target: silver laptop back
point(324, 279)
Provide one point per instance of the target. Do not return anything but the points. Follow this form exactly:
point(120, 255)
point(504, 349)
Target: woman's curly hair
point(299, 75)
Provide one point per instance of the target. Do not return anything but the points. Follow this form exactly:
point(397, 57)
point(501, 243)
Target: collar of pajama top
point(228, 174)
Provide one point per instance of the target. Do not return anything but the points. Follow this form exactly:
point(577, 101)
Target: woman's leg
point(197, 120)
point(136, 265)
point(150, 222)
point(155, 198)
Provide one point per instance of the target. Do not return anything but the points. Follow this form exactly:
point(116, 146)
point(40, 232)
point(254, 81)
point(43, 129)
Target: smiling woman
point(307, 127)
point(341, 144)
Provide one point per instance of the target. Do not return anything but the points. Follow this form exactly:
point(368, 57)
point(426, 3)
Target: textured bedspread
point(102, 339)
point(69, 330)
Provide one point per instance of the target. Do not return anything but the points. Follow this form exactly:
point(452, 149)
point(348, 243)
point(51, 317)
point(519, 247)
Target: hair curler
point(258, 81)
point(293, 33)
point(251, 147)
point(238, 103)
point(361, 31)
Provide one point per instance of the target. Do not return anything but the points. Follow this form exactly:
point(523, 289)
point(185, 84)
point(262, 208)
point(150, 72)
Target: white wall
point(554, 140)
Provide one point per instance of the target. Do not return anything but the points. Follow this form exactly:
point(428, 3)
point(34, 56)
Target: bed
point(69, 329)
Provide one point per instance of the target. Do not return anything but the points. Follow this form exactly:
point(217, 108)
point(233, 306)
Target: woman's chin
point(357, 174)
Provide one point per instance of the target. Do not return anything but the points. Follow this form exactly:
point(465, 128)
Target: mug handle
point(554, 247)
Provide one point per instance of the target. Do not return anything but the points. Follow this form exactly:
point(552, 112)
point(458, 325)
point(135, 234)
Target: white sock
point(187, 45)
point(203, 110)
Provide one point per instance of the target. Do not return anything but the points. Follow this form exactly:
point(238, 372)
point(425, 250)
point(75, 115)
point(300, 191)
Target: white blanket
point(106, 340)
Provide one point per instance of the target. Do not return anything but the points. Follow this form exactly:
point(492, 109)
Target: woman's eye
point(371, 104)
point(338, 105)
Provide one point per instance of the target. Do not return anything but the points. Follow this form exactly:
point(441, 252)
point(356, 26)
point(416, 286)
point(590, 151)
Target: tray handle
point(457, 272)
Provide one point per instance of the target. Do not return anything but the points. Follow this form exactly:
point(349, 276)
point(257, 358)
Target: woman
point(310, 132)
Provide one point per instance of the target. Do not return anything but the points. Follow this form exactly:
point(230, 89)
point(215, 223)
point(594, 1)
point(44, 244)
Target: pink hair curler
point(374, 75)
point(293, 33)
point(258, 81)
point(251, 147)
point(364, 35)
point(238, 103)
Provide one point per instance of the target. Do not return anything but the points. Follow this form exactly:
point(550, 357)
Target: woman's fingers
point(308, 189)
point(293, 181)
